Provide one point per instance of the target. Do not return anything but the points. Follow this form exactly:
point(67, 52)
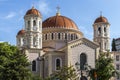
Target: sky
point(82, 12)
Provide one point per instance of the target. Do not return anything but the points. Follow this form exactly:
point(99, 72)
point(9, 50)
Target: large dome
point(59, 21)
point(33, 11)
point(101, 19)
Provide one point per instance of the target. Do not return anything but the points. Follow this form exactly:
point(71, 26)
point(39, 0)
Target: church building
point(57, 42)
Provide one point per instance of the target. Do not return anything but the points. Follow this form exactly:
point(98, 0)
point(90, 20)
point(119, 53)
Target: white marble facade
point(58, 42)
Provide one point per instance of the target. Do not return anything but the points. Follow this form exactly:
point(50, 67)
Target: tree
point(35, 77)
point(104, 68)
point(113, 45)
point(65, 73)
point(13, 63)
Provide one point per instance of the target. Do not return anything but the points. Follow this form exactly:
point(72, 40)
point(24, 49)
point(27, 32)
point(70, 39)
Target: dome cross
point(58, 11)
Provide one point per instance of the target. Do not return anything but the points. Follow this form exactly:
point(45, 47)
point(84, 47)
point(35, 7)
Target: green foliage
point(104, 68)
point(65, 73)
point(13, 63)
point(35, 77)
point(113, 45)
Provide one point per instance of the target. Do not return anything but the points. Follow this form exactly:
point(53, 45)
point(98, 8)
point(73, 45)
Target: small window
point(76, 37)
point(99, 31)
point(58, 35)
point(58, 64)
point(117, 66)
point(28, 27)
point(34, 65)
point(71, 36)
point(83, 61)
point(65, 36)
point(45, 36)
point(34, 42)
point(105, 29)
point(117, 57)
point(52, 37)
point(34, 23)
point(118, 77)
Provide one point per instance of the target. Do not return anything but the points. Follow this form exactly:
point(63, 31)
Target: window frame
point(35, 66)
point(56, 63)
point(83, 60)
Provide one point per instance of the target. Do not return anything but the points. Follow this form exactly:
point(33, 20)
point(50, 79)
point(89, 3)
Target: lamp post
point(77, 64)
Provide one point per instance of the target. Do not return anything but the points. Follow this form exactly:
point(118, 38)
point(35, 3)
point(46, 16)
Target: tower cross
point(58, 11)
point(100, 13)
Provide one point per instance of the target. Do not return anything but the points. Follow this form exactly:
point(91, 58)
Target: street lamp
point(77, 64)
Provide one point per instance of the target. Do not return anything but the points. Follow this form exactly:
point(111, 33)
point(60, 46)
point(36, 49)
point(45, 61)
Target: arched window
point(99, 30)
point(28, 27)
point(104, 31)
point(65, 36)
point(52, 36)
point(76, 37)
point(58, 63)
point(34, 42)
point(58, 35)
point(33, 65)
point(45, 36)
point(71, 36)
point(34, 23)
point(83, 61)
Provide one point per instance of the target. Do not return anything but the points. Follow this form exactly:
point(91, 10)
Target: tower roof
point(21, 32)
point(34, 12)
point(101, 19)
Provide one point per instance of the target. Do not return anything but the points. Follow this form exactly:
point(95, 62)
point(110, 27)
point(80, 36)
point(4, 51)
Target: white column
point(31, 24)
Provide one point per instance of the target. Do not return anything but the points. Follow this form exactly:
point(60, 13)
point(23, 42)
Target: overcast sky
point(82, 12)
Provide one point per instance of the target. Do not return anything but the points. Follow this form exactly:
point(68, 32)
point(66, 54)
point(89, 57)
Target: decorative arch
point(83, 60)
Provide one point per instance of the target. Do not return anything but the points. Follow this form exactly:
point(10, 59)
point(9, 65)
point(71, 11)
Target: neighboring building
point(117, 43)
point(116, 58)
point(58, 42)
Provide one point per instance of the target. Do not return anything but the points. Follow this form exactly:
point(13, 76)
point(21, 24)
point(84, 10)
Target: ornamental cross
point(58, 9)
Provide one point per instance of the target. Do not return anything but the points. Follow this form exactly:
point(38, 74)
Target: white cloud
point(43, 7)
point(10, 15)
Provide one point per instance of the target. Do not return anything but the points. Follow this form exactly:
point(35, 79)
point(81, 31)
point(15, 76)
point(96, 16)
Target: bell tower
point(33, 28)
point(101, 33)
